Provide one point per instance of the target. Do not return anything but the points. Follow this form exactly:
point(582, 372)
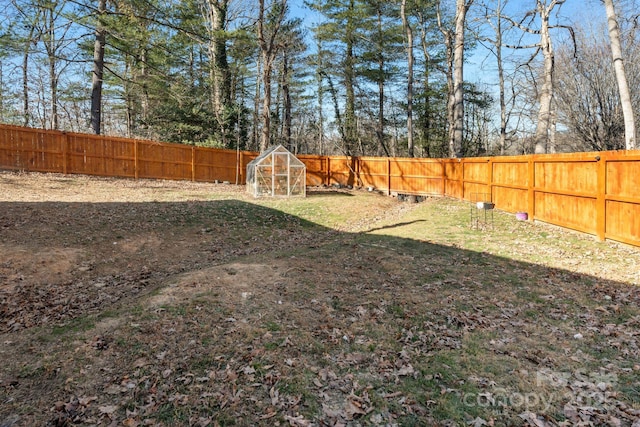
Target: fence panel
point(476, 179)
point(342, 170)
point(164, 161)
point(510, 183)
point(374, 172)
point(6, 160)
point(31, 149)
point(623, 176)
point(316, 169)
point(575, 212)
point(577, 176)
point(417, 176)
point(623, 222)
point(96, 155)
point(212, 164)
point(453, 173)
point(566, 189)
point(622, 198)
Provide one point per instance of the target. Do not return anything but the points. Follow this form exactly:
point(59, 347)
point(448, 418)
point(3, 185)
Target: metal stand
point(481, 211)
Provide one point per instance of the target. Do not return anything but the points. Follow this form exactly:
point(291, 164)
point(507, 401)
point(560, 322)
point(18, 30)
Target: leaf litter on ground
point(178, 303)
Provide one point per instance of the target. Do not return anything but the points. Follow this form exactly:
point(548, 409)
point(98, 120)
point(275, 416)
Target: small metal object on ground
point(482, 211)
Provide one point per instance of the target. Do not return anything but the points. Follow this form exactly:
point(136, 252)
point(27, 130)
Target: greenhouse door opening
point(276, 172)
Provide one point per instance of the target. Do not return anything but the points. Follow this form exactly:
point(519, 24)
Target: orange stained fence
point(596, 193)
point(53, 151)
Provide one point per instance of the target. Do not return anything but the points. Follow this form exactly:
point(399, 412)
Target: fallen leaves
point(263, 320)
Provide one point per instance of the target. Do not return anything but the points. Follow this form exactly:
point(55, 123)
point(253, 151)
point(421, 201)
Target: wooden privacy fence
point(596, 193)
point(52, 151)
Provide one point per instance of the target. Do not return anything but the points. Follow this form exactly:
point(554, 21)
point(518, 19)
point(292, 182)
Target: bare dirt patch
point(176, 303)
point(233, 282)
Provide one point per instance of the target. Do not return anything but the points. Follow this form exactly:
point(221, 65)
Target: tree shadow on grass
point(400, 224)
point(267, 317)
point(328, 193)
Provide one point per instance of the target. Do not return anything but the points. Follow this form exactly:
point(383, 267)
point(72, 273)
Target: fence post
point(193, 163)
point(135, 159)
point(65, 149)
point(328, 171)
point(388, 176)
point(461, 163)
point(490, 178)
point(444, 176)
point(531, 205)
point(601, 201)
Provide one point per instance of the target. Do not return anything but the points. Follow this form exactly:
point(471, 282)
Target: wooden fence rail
point(596, 193)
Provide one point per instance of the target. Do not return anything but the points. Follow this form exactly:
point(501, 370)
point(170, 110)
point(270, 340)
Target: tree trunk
point(266, 80)
point(409, 34)
point(255, 139)
point(462, 6)
point(53, 61)
point(286, 101)
point(450, 97)
point(26, 114)
point(320, 98)
point(129, 102)
point(2, 119)
point(448, 35)
point(268, 51)
point(26, 107)
point(98, 69)
point(623, 87)
point(553, 128)
point(219, 71)
point(503, 106)
point(546, 93)
point(350, 131)
point(382, 147)
point(425, 122)
point(266, 103)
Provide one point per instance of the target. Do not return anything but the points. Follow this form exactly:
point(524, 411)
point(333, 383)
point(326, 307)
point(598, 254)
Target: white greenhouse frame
point(276, 172)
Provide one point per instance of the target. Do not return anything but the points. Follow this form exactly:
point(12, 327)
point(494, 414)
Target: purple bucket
point(522, 216)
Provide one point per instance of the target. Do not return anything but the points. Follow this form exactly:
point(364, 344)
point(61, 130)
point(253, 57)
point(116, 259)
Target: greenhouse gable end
point(276, 172)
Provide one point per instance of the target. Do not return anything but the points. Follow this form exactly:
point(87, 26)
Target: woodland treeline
point(359, 77)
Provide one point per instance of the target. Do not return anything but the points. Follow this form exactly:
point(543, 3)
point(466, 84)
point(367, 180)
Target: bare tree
point(449, 36)
point(409, 34)
point(98, 69)
point(268, 28)
point(545, 95)
point(587, 95)
point(433, 109)
point(621, 77)
point(455, 147)
point(318, 61)
point(53, 29)
point(495, 18)
point(454, 44)
point(30, 39)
